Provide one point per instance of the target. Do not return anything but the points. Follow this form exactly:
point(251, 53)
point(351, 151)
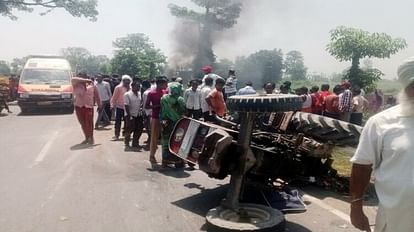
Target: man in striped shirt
point(345, 102)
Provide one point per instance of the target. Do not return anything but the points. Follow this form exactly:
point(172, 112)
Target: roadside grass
point(341, 156)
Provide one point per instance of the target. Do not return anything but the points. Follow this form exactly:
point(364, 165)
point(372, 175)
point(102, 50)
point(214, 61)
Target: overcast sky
point(302, 25)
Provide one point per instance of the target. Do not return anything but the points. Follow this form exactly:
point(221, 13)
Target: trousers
point(85, 118)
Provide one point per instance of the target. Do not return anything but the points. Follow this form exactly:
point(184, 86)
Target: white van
point(45, 82)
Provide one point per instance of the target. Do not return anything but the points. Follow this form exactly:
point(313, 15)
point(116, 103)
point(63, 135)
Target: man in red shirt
point(331, 103)
point(317, 100)
point(154, 103)
point(216, 99)
point(325, 91)
point(86, 95)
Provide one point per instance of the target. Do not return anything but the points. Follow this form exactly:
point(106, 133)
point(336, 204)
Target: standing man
point(117, 103)
point(317, 100)
point(269, 87)
point(104, 115)
point(192, 99)
point(360, 105)
point(386, 146)
point(133, 117)
point(215, 100)
point(146, 88)
point(205, 91)
point(248, 89)
point(307, 99)
point(345, 102)
point(331, 102)
point(230, 88)
point(208, 72)
point(86, 95)
point(154, 103)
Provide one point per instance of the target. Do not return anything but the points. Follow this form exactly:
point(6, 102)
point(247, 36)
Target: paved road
point(49, 183)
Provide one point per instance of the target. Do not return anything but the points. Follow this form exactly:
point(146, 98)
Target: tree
point(135, 55)
point(260, 67)
point(81, 60)
point(351, 44)
point(4, 68)
point(17, 65)
point(77, 57)
point(218, 15)
point(294, 66)
point(77, 8)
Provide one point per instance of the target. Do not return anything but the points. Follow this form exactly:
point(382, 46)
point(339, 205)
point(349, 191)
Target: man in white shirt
point(104, 90)
point(205, 91)
point(360, 105)
point(247, 90)
point(192, 99)
point(133, 117)
point(386, 146)
point(208, 72)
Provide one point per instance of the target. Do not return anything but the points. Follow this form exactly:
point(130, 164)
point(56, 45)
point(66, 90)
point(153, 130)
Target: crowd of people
point(154, 106)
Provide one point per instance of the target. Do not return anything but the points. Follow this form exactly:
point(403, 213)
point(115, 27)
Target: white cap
point(406, 71)
point(126, 77)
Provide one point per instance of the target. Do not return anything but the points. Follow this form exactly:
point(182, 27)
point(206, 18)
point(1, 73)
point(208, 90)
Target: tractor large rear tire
point(326, 129)
point(264, 103)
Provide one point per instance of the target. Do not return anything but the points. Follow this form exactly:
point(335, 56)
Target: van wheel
point(70, 110)
point(24, 110)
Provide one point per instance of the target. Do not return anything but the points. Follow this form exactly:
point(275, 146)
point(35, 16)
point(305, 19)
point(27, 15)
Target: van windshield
point(45, 77)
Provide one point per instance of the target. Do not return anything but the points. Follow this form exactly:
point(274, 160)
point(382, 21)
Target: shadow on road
point(178, 173)
point(289, 226)
point(207, 199)
point(370, 197)
point(202, 202)
point(44, 112)
point(83, 146)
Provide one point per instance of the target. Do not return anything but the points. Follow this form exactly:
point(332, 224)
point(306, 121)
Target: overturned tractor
point(288, 145)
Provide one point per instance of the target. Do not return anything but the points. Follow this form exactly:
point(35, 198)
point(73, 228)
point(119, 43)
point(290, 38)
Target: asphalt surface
point(50, 183)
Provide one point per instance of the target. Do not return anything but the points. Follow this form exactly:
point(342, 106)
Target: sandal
point(153, 161)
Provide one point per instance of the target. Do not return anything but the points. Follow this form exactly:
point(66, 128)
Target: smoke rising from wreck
point(186, 41)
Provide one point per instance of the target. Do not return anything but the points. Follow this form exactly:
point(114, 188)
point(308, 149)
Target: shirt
point(86, 97)
point(345, 101)
point(104, 91)
point(331, 104)
point(148, 112)
point(217, 102)
point(317, 100)
point(387, 142)
point(133, 101)
point(154, 99)
point(360, 104)
point(205, 91)
point(307, 103)
point(231, 85)
point(192, 99)
point(246, 91)
point(213, 76)
point(117, 100)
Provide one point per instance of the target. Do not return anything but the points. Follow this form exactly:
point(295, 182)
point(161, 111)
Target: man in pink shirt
point(117, 103)
point(86, 95)
point(154, 103)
